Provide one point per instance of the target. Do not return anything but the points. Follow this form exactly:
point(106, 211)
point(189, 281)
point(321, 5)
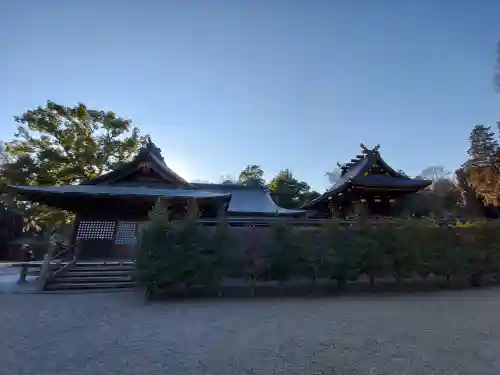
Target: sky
point(284, 84)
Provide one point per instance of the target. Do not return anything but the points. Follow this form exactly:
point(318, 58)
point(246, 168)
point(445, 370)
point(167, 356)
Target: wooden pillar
point(331, 207)
point(74, 241)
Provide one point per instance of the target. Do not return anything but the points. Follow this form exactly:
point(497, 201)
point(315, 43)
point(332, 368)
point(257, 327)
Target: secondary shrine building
point(110, 208)
point(367, 180)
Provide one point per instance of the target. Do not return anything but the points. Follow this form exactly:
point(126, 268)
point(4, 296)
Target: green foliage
point(312, 248)
point(252, 175)
point(283, 252)
point(288, 192)
point(341, 259)
point(220, 253)
point(179, 254)
point(186, 253)
point(374, 261)
point(482, 169)
point(59, 145)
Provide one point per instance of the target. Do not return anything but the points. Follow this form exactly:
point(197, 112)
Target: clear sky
point(282, 83)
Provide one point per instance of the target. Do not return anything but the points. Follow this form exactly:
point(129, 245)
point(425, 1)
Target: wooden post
point(73, 242)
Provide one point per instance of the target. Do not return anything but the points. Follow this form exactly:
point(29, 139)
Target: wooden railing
point(53, 266)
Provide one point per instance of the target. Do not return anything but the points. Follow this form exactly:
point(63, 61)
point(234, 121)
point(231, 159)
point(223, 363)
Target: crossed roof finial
point(366, 149)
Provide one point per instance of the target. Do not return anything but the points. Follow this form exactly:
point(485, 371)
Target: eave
point(74, 197)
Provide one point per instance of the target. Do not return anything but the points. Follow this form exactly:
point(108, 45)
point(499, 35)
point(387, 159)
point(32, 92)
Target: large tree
point(482, 170)
point(58, 145)
point(288, 192)
point(252, 175)
point(483, 145)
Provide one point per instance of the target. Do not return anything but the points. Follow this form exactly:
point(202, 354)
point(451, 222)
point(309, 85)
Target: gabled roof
point(248, 200)
point(149, 156)
point(358, 174)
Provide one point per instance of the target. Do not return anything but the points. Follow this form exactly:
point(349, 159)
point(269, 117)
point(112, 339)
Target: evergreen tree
point(483, 167)
point(483, 146)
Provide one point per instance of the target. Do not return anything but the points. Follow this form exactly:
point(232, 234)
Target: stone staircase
point(95, 275)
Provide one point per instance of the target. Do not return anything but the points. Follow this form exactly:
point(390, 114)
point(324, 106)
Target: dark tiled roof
point(242, 200)
point(113, 190)
point(358, 174)
point(387, 181)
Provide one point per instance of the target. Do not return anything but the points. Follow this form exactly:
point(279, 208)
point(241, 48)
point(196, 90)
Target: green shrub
point(182, 254)
point(174, 254)
point(222, 254)
point(284, 252)
point(342, 256)
point(312, 249)
point(374, 261)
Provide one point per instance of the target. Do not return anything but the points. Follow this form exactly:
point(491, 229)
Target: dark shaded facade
point(367, 182)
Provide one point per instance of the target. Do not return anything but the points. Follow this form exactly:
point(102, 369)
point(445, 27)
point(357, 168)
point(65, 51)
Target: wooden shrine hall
point(110, 208)
point(367, 181)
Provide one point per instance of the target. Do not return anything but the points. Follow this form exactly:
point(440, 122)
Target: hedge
point(181, 255)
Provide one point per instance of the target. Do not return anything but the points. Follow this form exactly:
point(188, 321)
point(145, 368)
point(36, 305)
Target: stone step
point(105, 264)
point(93, 279)
point(86, 285)
point(95, 275)
point(91, 273)
point(101, 269)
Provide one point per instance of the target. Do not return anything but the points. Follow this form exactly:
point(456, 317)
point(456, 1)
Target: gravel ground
point(119, 333)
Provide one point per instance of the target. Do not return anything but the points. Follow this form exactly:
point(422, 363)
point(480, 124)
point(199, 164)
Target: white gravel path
point(440, 333)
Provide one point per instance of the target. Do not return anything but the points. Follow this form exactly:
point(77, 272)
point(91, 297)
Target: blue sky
point(283, 83)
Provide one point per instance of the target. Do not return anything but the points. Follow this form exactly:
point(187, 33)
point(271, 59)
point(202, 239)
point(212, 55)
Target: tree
point(289, 192)
point(470, 200)
point(482, 170)
point(252, 175)
point(58, 145)
point(483, 146)
point(442, 197)
point(435, 173)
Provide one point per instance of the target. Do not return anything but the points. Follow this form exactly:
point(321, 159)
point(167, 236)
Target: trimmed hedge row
point(184, 254)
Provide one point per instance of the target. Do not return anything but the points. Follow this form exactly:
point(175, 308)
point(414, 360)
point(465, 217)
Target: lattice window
point(126, 232)
point(95, 230)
